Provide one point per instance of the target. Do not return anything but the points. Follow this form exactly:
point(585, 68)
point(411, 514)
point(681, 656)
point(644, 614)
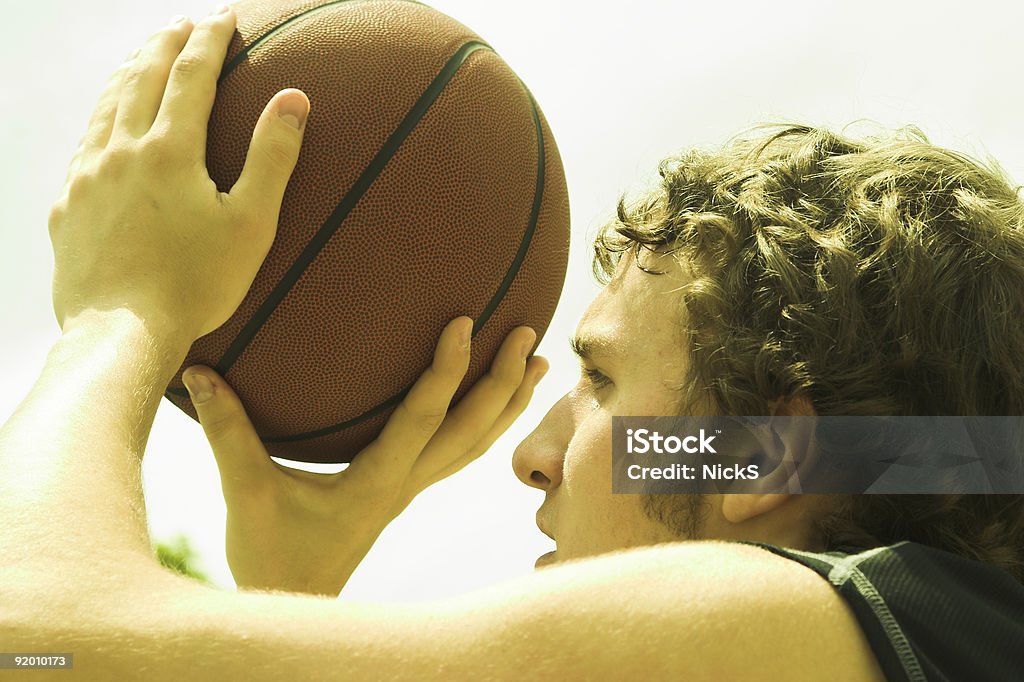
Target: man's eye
point(596, 378)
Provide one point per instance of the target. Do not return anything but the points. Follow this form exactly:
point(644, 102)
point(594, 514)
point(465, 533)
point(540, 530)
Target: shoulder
point(699, 610)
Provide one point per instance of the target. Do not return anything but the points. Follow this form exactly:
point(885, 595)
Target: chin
point(546, 560)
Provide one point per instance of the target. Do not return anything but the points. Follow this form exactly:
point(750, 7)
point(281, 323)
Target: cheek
point(587, 468)
point(594, 520)
point(585, 488)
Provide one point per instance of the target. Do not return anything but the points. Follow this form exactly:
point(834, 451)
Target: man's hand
point(303, 532)
point(141, 226)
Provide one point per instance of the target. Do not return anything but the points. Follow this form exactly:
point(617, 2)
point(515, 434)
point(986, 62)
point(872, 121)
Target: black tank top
point(928, 614)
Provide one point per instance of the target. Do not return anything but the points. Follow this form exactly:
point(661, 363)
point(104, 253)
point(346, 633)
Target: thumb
point(274, 150)
point(235, 443)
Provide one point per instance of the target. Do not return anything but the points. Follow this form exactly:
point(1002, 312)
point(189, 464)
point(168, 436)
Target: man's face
point(632, 362)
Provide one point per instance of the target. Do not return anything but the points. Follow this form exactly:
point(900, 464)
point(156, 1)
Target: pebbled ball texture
point(428, 187)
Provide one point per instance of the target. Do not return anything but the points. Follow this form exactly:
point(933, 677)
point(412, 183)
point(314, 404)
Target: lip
point(542, 525)
point(545, 559)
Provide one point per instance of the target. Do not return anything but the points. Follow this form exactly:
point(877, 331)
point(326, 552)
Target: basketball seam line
point(341, 211)
point(362, 184)
point(238, 59)
point(492, 305)
point(344, 207)
point(244, 52)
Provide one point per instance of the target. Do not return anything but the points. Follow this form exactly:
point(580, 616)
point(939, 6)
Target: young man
point(801, 274)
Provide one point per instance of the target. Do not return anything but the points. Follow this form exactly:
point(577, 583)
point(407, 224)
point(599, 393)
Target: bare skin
point(78, 573)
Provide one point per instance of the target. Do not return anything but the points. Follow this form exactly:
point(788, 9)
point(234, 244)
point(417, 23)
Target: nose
point(539, 459)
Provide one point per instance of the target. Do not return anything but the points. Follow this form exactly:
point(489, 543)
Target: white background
point(622, 85)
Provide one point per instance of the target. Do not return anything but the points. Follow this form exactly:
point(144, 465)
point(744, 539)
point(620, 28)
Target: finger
point(478, 409)
point(538, 367)
point(536, 371)
point(144, 84)
point(192, 83)
point(237, 448)
point(101, 122)
point(388, 459)
point(97, 131)
point(273, 152)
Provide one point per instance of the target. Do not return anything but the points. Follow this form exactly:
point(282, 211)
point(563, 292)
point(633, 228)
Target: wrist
point(162, 339)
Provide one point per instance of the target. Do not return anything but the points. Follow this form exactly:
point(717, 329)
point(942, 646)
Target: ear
point(798, 406)
point(792, 439)
point(738, 508)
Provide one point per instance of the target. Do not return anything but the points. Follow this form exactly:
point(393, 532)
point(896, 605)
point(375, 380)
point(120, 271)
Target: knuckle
point(278, 151)
point(425, 419)
point(116, 158)
point(505, 375)
point(120, 74)
point(58, 212)
point(78, 186)
point(188, 65)
point(219, 427)
point(430, 421)
point(158, 150)
point(164, 41)
point(134, 74)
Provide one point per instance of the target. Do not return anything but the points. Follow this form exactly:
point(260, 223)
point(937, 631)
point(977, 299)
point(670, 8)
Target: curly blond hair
point(874, 276)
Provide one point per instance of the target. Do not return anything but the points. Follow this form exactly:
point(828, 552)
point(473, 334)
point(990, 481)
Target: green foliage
point(179, 556)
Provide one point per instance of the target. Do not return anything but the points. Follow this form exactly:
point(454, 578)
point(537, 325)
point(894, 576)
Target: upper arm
point(685, 611)
point(693, 611)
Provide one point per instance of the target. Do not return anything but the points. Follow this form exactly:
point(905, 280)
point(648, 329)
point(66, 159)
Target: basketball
point(428, 187)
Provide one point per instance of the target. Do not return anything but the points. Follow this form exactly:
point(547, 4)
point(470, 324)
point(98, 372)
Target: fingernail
point(466, 336)
point(293, 111)
point(540, 375)
point(177, 19)
point(219, 9)
point(199, 387)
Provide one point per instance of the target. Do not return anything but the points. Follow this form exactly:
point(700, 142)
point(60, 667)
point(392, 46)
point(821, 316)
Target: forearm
point(70, 456)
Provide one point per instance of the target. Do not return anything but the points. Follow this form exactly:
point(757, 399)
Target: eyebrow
point(586, 347)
